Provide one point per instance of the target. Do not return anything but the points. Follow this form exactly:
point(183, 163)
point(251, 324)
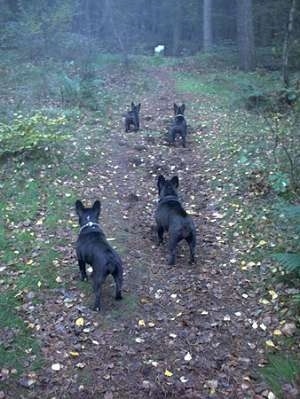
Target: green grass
point(228, 88)
point(23, 345)
point(280, 371)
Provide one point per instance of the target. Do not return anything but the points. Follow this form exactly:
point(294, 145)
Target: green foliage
point(82, 92)
point(281, 370)
point(293, 211)
point(279, 182)
point(28, 133)
point(290, 262)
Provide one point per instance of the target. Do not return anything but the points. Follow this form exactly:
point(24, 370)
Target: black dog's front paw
point(171, 260)
point(119, 297)
point(83, 277)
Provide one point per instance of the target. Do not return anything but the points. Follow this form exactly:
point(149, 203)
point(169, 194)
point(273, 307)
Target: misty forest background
point(69, 69)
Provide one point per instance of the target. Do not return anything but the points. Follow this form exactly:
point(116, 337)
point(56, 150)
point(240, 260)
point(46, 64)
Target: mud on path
point(180, 331)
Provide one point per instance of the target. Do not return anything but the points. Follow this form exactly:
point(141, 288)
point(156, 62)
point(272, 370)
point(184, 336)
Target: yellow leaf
point(270, 343)
point(277, 332)
point(39, 284)
point(168, 373)
point(142, 323)
point(74, 354)
point(261, 243)
point(80, 322)
point(30, 262)
point(264, 301)
point(273, 294)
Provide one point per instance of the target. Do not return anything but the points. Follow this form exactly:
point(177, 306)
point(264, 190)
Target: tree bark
point(207, 27)
point(285, 52)
point(177, 27)
point(245, 35)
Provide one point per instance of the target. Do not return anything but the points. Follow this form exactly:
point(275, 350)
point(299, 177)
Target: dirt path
point(182, 331)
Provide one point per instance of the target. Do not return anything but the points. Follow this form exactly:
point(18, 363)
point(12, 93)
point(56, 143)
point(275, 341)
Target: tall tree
point(207, 26)
point(285, 53)
point(177, 27)
point(245, 34)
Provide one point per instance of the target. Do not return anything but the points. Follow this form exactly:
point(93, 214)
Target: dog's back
point(93, 248)
point(132, 117)
point(171, 217)
point(179, 126)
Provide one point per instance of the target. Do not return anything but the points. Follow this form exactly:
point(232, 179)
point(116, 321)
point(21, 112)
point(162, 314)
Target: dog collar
point(179, 115)
point(88, 224)
point(168, 198)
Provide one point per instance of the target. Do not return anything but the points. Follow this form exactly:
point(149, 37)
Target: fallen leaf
point(273, 294)
point(56, 366)
point(168, 373)
point(270, 343)
point(74, 354)
point(80, 322)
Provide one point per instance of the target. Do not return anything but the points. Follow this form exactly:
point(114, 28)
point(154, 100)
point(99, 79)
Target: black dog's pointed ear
point(175, 181)
point(160, 181)
point(139, 106)
point(175, 107)
point(183, 108)
point(97, 207)
point(79, 207)
point(132, 104)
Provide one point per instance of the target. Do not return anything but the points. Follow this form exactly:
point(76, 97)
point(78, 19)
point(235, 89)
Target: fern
point(293, 212)
point(290, 262)
point(296, 299)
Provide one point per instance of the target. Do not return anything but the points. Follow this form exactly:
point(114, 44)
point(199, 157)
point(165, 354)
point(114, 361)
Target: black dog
point(179, 126)
point(132, 118)
point(170, 216)
point(93, 248)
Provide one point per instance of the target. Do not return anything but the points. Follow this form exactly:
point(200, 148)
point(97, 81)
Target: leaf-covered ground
point(197, 331)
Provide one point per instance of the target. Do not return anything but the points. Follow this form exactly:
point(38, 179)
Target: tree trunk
point(245, 35)
point(207, 29)
point(177, 27)
point(285, 52)
point(109, 6)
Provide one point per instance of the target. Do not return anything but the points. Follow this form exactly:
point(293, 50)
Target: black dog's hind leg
point(118, 277)
point(97, 284)
point(137, 125)
point(160, 233)
point(173, 240)
point(191, 240)
point(83, 275)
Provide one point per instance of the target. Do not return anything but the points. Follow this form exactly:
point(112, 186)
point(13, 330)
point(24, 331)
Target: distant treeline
point(66, 28)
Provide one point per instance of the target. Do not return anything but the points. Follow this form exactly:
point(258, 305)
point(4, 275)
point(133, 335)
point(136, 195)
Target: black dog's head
point(88, 215)
point(167, 187)
point(135, 108)
point(179, 110)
